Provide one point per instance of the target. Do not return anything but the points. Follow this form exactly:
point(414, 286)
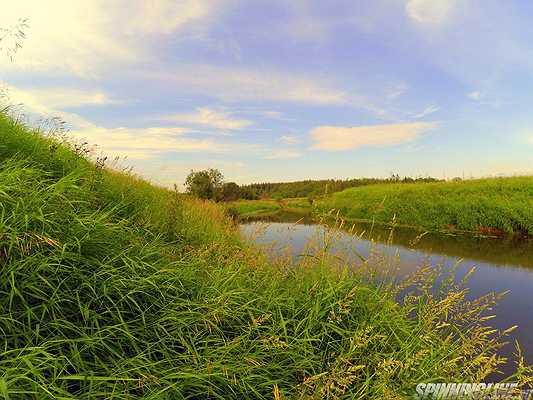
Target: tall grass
point(483, 205)
point(113, 288)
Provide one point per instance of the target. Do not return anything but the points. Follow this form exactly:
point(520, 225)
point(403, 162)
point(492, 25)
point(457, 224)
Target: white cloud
point(86, 37)
point(142, 143)
point(50, 102)
point(338, 138)
point(271, 114)
point(429, 12)
point(474, 95)
point(396, 91)
point(290, 139)
point(283, 154)
point(234, 85)
point(165, 16)
point(57, 97)
point(205, 116)
point(89, 39)
point(426, 111)
point(135, 143)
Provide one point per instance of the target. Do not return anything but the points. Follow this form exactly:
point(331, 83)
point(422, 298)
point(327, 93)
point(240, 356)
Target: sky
point(276, 90)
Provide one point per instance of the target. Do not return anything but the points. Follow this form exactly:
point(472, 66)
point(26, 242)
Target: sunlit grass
point(113, 288)
point(266, 208)
point(482, 205)
point(492, 206)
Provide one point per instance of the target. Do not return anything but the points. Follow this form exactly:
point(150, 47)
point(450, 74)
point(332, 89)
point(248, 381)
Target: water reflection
point(502, 264)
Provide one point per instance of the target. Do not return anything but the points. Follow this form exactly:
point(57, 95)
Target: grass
point(113, 288)
point(246, 209)
point(498, 205)
point(493, 206)
point(270, 209)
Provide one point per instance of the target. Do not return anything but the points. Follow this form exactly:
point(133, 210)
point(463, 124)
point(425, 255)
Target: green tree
point(205, 184)
point(230, 191)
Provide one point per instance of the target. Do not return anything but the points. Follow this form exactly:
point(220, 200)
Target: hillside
point(113, 288)
point(484, 205)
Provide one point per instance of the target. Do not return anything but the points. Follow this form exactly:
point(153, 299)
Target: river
point(501, 264)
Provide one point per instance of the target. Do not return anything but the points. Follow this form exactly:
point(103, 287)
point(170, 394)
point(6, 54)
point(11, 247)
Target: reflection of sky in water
point(293, 240)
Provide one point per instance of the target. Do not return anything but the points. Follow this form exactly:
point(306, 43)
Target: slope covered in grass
point(484, 205)
point(113, 288)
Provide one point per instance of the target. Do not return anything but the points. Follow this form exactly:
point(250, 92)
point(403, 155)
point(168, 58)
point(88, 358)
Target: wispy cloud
point(205, 116)
point(133, 142)
point(396, 91)
point(290, 139)
point(283, 154)
point(426, 111)
point(237, 84)
point(58, 98)
point(474, 95)
point(429, 12)
point(81, 38)
point(304, 26)
point(143, 143)
point(52, 102)
point(338, 138)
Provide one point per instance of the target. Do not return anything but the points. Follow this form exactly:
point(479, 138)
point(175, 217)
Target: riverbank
point(493, 207)
point(113, 288)
point(270, 209)
point(501, 265)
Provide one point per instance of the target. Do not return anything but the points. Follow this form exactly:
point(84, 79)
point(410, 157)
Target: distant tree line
point(313, 188)
point(210, 184)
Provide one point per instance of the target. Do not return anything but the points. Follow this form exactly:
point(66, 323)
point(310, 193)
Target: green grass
point(113, 288)
point(483, 205)
point(270, 209)
point(254, 208)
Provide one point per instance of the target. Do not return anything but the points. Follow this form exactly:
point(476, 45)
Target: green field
point(268, 208)
point(487, 206)
point(113, 288)
point(484, 205)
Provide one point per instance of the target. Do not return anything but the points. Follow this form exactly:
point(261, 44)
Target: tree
point(230, 191)
point(205, 184)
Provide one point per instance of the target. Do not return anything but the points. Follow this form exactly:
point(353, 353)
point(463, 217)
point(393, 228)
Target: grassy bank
point(270, 208)
point(486, 206)
point(490, 206)
point(113, 288)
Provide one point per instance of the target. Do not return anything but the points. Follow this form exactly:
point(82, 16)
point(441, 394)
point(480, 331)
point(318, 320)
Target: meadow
point(269, 208)
point(487, 206)
point(113, 288)
point(492, 206)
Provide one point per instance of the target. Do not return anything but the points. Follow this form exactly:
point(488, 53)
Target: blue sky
point(278, 90)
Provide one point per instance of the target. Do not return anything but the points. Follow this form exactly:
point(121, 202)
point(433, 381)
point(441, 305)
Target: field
point(113, 288)
point(268, 208)
point(491, 206)
point(485, 206)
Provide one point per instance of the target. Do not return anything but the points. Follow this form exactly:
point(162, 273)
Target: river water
point(501, 264)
